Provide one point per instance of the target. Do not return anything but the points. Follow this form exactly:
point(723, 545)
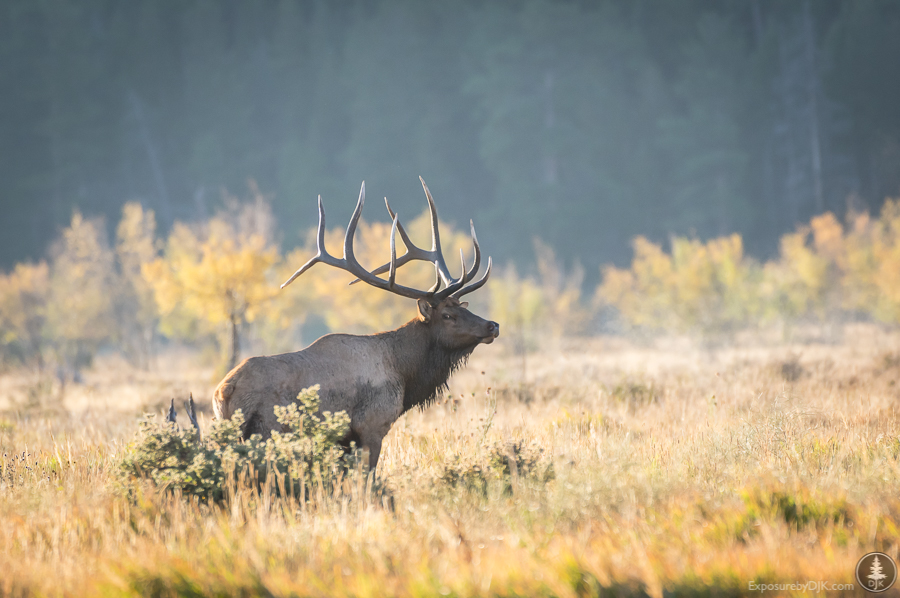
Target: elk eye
point(448, 317)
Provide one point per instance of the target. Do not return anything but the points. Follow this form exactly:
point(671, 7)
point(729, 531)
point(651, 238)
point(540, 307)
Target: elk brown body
point(374, 378)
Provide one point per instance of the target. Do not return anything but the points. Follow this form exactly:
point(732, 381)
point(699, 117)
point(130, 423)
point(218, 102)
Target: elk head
point(455, 326)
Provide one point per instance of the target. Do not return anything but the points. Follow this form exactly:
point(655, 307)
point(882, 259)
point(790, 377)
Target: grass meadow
point(658, 468)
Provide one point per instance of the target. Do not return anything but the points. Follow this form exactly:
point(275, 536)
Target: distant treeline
point(582, 122)
point(214, 285)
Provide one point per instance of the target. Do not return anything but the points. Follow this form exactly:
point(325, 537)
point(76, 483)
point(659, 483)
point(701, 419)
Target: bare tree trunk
point(812, 87)
point(147, 347)
point(794, 127)
point(235, 349)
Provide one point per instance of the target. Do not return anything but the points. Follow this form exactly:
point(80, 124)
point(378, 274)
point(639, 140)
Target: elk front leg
point(370, 438)
point(372, 423)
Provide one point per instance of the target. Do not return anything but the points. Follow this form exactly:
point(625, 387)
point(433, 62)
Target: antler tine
point(392, 276)
point(437, 282)
point(350, 264)
point(192, 414)
point(457, 282)
point(171, 414)
point(417, 253)
point(351, 228)
point(322, 254)
point(410, 246)
point(475, 285)
point(412, 252)
point(471, 273)
point(437, 254)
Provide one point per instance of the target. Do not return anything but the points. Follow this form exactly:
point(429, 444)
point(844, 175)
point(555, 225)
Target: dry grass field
point(660, 469)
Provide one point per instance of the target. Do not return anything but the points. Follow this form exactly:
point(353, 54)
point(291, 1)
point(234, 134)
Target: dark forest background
point(582, 123)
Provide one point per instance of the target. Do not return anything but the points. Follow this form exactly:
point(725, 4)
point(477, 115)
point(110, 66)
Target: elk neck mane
point(424, 364)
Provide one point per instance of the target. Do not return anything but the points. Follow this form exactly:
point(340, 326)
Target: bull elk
point(374, 378)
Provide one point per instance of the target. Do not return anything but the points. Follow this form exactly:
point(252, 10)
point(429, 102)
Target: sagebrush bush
point(503, 463)
point(291, 462)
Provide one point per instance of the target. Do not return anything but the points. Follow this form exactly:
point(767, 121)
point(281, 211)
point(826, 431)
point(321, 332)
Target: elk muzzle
point(493, 331)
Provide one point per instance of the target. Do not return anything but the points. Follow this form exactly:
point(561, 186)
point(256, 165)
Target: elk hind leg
point(368, 441)
point(374, 448)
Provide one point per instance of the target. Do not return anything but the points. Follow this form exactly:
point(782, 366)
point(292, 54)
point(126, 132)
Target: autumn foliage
point(215, 284)
point(216, 277)
point(825, 271)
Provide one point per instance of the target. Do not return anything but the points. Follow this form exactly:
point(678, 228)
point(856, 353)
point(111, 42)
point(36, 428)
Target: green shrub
point(291, 462)
point(502, 462)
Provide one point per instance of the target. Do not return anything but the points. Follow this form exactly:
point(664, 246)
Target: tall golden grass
point(677, 471)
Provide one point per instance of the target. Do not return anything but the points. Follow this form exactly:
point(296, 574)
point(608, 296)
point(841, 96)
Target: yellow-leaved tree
point(715, 284)
point(81, 295)
point(798, 283)
point(136, 310)
point(872, 264)
point(708, 287)
point(642, 294)
point(23, 314)
point(536, 308)
point(214, 278)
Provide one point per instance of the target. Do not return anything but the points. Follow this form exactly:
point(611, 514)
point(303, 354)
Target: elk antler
point(435, 255)
point(454, 286)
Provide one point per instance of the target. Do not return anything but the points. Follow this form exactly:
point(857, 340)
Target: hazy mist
point(581, 123)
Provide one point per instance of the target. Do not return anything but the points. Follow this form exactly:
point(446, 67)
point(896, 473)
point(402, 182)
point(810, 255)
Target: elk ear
point(425, 310)
point(464, 304)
